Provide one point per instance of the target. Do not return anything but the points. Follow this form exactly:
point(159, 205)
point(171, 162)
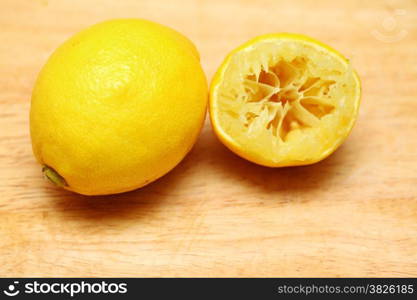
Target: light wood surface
point(354, 214)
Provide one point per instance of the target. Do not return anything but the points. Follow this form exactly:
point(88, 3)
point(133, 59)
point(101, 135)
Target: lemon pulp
point(283, 100)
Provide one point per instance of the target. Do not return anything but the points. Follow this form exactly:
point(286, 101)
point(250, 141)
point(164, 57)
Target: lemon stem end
point(53, 176)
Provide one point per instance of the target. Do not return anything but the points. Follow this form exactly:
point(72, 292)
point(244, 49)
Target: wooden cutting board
point(354, 214)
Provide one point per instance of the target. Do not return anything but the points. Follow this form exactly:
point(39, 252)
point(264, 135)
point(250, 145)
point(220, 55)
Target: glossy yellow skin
point(260, 156)
point(117, 106)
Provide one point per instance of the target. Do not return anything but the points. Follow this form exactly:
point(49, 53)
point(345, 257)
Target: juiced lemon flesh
point(283, 100)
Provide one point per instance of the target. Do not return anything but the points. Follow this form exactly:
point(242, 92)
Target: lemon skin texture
point(117, 106)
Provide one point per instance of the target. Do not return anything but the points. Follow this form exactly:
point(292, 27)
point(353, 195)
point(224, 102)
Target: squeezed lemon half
point(284, 100)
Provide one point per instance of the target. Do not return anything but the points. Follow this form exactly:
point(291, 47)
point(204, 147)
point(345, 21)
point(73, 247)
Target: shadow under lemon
point(287, 179)
point(208, 161)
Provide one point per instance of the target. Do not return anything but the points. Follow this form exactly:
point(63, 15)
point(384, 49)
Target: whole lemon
point(117, 106)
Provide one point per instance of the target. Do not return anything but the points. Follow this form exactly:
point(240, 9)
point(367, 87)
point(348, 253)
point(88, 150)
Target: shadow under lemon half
point(284, 100)
point(117, 106)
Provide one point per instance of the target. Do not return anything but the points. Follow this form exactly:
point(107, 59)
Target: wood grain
point(354, 214)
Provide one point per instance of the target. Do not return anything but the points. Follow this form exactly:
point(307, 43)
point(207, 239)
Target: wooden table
point(354, 214)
